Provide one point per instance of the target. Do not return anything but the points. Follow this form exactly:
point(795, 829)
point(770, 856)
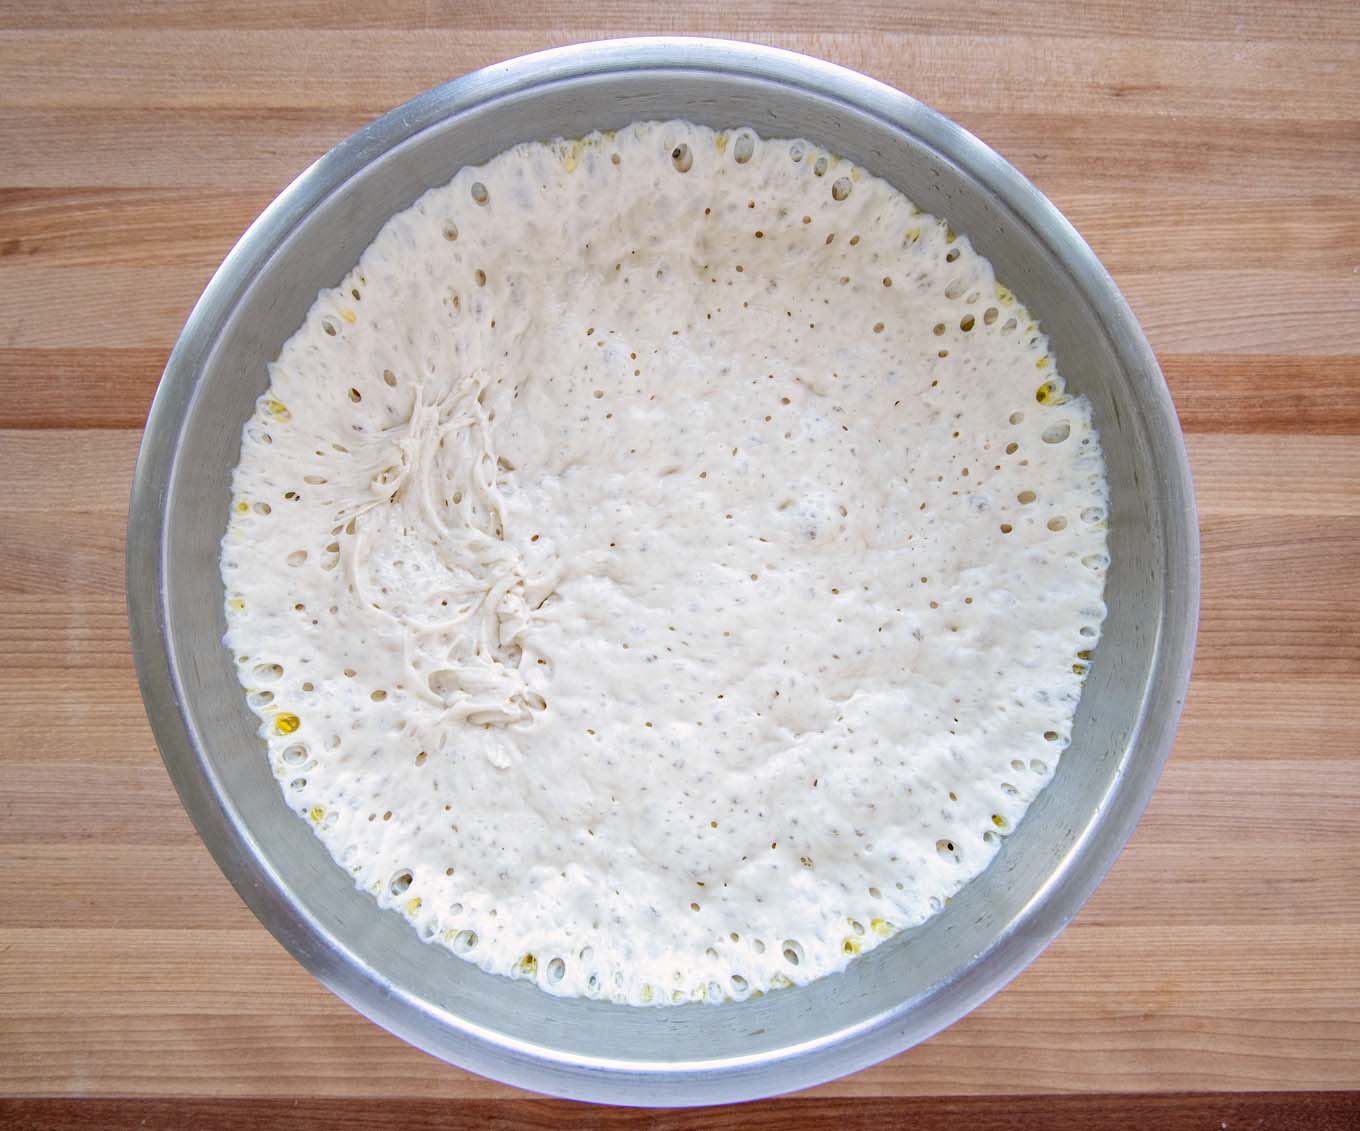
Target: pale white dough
point(666, 565)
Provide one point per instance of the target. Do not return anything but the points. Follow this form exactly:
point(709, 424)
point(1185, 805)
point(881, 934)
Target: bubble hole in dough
point(666, 565)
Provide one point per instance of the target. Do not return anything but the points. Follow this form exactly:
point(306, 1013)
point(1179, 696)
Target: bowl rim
point(492, 1054)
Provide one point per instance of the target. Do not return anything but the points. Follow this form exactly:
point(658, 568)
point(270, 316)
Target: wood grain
point(1136, 158)
point(1305, 314)
point(1208, 151)
point(99, 387)
point(141, 227)
point(275, 69)
point(1279, 1111)
point(1332, 20)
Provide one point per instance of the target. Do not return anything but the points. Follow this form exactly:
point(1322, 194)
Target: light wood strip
point(1128, 157)
point(1102, 1009)
point(1330, 21)
point(1209, 151)
point(954, 72)
point(1198, 310)
point(85, 709)
point(52, 555)
point(1273, 843)
point(155, 963)
point(1274, 476)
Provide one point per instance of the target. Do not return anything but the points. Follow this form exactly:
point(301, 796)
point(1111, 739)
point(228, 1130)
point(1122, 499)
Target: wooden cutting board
point(1211, 155)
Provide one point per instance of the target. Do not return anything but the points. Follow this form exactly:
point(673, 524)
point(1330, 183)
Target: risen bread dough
point(666, 565)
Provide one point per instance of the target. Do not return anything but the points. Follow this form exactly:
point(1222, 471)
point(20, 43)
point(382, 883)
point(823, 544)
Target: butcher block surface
point(1210, 154)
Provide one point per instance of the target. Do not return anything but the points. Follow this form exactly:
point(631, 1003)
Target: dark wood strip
point(137, 227)
point(1275, 394)
point(1276, 1111)
point(98, 226)
point(111, 388)
point(99, 387)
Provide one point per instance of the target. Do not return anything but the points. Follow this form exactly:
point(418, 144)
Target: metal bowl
point(898, 994)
